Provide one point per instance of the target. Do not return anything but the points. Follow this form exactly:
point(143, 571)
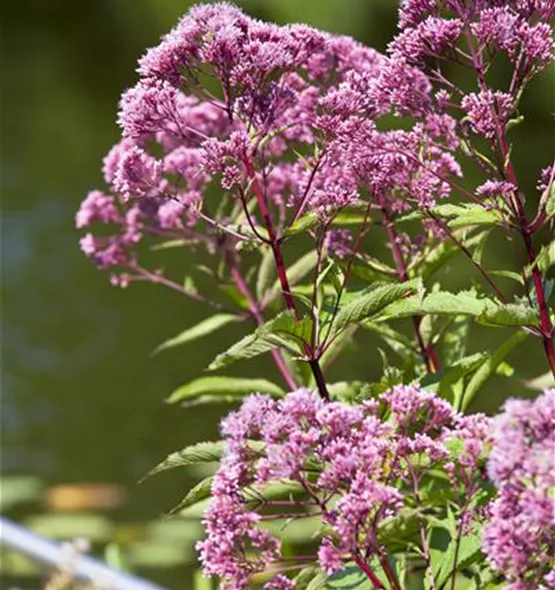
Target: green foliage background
point(82, 399)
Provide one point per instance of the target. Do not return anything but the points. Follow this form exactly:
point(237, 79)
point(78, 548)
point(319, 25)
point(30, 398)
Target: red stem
point(369, 573)
point(427, 352)
point(275, 245)
point(547, 329)
point(254, 309)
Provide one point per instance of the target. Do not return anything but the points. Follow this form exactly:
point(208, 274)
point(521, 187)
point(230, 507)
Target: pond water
point(82, 397)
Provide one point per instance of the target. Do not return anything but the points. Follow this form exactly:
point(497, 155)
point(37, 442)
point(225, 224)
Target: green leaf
point(456, 371)
point(369, 303)
point(349, 578)
point(431, 261)
point(467, 215)
point(510, 314)
point(439, 302)
point(488, 368)
point(201, 491)
point(478, 253)
point(168, 244)
point(318, 582)
point(305, 576)
point(545, 258)
point(469, 550)
point(202, 329)
point(295, 273)
point(508, 274)
point(302, 224)
point(230, 386)
point(203, 452)
point(282, 331)
point(266, 274)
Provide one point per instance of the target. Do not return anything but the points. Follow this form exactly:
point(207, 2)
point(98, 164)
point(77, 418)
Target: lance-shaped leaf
point(225, 386)
point(468, 215)
point(201, 491)
point(282, 331)
point(488, 368)
point(371, 302)
point(440, 302)
point(203, 452)
point(510, 314)
point(202, 329)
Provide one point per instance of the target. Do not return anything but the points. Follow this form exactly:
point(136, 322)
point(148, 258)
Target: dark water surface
point(82, 399)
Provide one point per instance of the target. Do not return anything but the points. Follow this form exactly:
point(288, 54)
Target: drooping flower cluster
point(520, 536)
point(353, 466)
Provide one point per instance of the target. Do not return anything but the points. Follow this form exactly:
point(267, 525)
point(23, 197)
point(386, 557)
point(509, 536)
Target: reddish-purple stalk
point(254, 309)
point(466, 251)
point(427, 352)
point(275, 245)
point(547, 329)
point(369, 573)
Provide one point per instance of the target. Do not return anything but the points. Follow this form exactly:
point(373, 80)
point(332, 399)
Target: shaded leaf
point(202, 329)
point(510, 314)
point(200, 492)
point(488, 368)
point(225, 386)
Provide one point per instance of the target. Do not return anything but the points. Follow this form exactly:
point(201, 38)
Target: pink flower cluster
point(290, 108)
point(355, 467)
point(520, 536)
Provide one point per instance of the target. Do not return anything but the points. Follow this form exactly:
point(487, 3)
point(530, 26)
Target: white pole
point(82, 566)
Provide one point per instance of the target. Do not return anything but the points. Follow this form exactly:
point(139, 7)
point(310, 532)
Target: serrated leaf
point(225, 386)
point(198, 493)
point(488, 368)
point(467, 215)
point(202, 329)
point(370, 302)
point(203, 452)
point(439, 302)
point(510, 314)
point(282, 331)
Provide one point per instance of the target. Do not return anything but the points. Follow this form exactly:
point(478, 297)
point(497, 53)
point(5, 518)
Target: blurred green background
point(82, 399)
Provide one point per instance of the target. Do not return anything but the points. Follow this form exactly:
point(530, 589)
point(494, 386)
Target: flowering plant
point(248, 143)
